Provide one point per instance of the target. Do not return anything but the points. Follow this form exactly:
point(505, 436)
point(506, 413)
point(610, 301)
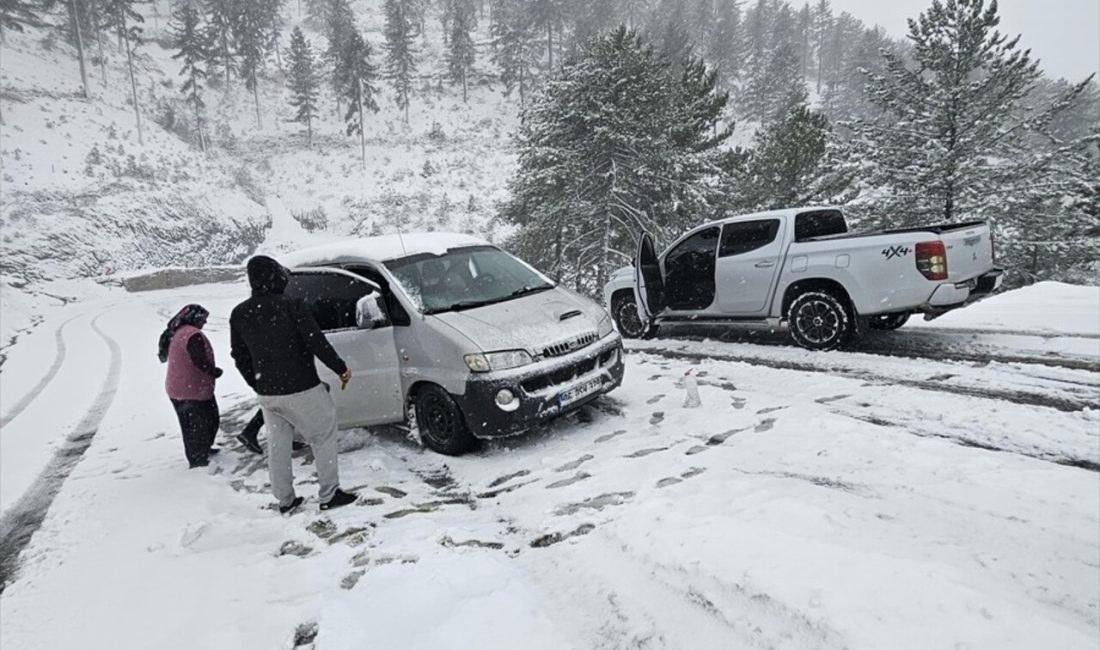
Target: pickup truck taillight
point(932, 260)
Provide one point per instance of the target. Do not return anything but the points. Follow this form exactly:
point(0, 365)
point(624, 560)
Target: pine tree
point(338, 24)
point(400, 52)
point(126, 22)
point(221, 16)
point(794, 160)
point(192, 46)
point(618, 142)
point(545, 16)
point(726, 52)
point(79, 21)
point(516, 47)
point(250, 34)
point(952, 140)
point(303, 81)
point(358, 85)
point(822, 17)
point(461, 50)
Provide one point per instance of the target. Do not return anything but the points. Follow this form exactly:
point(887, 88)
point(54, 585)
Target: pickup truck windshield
point(464, 278)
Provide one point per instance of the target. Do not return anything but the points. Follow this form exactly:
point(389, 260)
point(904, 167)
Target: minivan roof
point(380, 248)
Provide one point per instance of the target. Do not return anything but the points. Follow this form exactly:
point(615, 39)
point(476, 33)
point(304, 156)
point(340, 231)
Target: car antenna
point(401, 239)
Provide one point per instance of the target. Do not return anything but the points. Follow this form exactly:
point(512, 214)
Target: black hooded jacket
point(275, 338)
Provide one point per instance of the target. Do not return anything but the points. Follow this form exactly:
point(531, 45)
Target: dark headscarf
point(189, 315)
point(266, 276)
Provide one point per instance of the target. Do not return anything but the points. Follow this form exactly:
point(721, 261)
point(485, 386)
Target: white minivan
point(454, 333)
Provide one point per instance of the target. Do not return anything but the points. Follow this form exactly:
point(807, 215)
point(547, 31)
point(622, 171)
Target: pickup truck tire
point(442, 426)
point(818, 320)
point(624, 310)
point(889, 321)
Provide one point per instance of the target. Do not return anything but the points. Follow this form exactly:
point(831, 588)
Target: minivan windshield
point(464, 278)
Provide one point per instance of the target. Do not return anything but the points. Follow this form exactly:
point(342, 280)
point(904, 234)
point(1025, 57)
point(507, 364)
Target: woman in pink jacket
point(190, 382)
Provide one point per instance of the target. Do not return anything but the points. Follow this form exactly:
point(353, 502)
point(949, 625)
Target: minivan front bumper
point(541, 387)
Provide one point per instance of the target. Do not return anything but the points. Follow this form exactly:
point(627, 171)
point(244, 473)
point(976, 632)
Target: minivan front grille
point(563, 348)
point(568, 373)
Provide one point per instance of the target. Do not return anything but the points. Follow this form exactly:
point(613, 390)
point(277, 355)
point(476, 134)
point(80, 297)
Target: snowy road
point(937, 488)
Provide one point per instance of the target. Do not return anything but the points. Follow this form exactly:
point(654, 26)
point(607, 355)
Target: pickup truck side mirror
point(370, 313)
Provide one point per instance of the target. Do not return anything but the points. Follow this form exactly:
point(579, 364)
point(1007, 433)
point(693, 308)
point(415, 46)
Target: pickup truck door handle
point(765, 264)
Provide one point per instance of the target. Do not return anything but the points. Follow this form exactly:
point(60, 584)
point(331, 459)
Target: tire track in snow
point(1066, 404)
point(59, 358)
point(26, 515)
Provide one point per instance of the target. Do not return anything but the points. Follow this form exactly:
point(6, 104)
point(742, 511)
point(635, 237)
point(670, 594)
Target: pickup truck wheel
point(888, 321)
point(442, 427)
point(819, 321)
point(625, 312)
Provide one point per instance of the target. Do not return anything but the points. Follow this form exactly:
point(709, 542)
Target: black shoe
point(250, 443)
point(340, 498)
point(286, 510)
point(297, 446)
point(200, 463)
point(213, 450)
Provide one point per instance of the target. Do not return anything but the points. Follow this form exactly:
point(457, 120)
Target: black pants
point(199, 422)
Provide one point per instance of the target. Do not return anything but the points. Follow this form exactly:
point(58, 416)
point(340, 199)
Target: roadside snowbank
point(1044, 307)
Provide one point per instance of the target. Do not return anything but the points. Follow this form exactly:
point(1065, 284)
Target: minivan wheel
point(442, 427)
point(889, 321)
point(625, 312)
point(819, 321)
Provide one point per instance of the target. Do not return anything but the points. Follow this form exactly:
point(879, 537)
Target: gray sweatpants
point(312, 415)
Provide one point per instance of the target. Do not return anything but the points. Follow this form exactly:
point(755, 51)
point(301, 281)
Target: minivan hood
point(529, 323)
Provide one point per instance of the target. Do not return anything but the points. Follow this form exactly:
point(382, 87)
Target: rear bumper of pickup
point(953, 295)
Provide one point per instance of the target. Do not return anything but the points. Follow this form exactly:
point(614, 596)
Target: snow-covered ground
point(937, 488)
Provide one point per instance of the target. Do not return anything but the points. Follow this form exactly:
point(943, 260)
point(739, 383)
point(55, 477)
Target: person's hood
point(266, 276)
point(554, 318)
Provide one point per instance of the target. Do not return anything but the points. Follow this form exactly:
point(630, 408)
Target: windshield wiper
point(470, 304)
point(524, 290)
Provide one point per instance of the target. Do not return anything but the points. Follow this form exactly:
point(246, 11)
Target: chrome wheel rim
point(627, 317)
point(817, 321)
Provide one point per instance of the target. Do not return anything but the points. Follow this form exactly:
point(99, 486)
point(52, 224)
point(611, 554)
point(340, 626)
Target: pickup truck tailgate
point(969, 251)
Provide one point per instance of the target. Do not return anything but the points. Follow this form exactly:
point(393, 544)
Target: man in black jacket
point(274, 340)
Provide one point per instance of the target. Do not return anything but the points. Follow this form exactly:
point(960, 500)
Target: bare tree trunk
point(464, 85)
point(80, 50)
point(550, 44)
point(362, 135)
point(102, 56)
point(133, 82)
point(256, 99)
point(225, 51)
point(406, 96)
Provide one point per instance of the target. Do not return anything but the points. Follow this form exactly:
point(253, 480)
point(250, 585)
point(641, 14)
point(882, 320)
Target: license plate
point(565, 398)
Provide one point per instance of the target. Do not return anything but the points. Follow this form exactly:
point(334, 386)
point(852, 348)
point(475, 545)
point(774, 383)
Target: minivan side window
point(397, 312)
point(689, 271)
point(330, 297)
point(819, 223)
point(745, 236)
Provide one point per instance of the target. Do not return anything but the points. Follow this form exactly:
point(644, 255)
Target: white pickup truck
point(802, 266)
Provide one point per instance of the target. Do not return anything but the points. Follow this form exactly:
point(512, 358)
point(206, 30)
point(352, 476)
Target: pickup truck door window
point(689, 271)
point(748, 260)
point(374, 394)
point(648, 279)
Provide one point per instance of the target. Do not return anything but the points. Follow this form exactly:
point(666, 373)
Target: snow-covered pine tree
point(675, 37)
point(952, 142)
point(726, 51)
point(822, 17)
point(303, 81)
point(338, 24)
point(545, 16)
point(701, 22)
point(192, 44)
point(757, 53)
point(617, 143)
point(358, 84)
point(221, 15)
point(516, 45)
point(805, 28)
point(250, 33)
point(461, 50)
point(767, 92)
point(400, 51)
point(126, 22)
point(794, 160)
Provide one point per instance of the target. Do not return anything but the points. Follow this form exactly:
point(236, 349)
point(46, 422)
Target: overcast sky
point(1063, 34)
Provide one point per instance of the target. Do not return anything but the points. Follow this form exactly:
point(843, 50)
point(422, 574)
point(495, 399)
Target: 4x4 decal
point(895, 251)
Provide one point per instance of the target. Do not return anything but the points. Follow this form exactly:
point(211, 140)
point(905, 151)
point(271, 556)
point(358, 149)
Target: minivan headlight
point(484, 362)
point(604, 328)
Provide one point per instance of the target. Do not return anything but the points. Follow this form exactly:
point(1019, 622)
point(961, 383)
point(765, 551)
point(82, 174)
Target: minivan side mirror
point(370, 313)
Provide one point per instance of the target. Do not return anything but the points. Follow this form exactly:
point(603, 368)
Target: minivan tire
point(818, 320)
point(624, 309)
point(441, 423)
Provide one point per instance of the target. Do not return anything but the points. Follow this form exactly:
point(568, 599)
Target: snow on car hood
point(528, 323)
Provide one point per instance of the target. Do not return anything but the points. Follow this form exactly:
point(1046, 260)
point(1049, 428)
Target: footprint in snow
point(657, 418)
point(770, 409)
point(595, 503)
point(306, 634)
point(349, 581)
point(609, 436)
point(694, 471)
point(576, 478)
point(697, 449)
point(719, 438)
point(738, 402)
point(550, 539)
point(671, 480)
point(644, 452)
point(393, 492)
point(654, 399)
point(574, 464)
point(831, 398)
point(508, 477)
point(765, 425)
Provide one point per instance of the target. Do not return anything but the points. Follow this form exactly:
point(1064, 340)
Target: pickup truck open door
point(649, 280)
